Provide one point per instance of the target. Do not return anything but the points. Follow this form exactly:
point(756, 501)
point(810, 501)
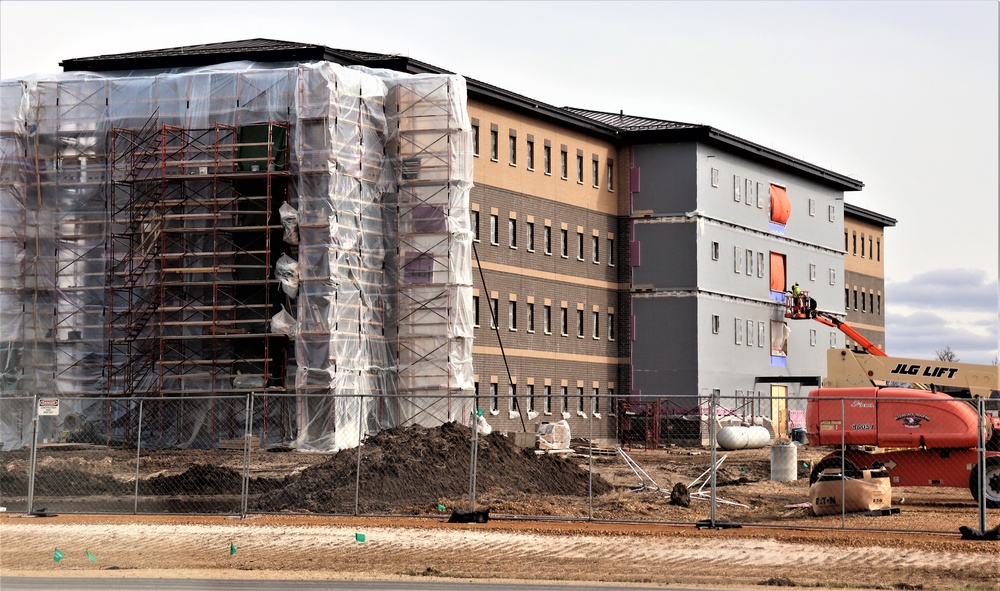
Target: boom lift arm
point(802, 307)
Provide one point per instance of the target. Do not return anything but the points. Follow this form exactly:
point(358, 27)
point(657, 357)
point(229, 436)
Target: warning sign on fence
point(48, 407)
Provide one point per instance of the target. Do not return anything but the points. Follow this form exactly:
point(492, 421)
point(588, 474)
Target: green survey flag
point(90, 556)
point(232, 548)
point(58, 555)
point(440, 507)
point(359, 537)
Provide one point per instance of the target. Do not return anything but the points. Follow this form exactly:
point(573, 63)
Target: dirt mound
point(202, 479)
point(419, 466)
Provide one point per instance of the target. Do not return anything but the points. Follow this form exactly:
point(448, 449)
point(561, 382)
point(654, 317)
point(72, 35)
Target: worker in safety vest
point(797, 297)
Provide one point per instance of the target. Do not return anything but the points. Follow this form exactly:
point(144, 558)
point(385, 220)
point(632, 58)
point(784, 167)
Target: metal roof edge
point(869, 215)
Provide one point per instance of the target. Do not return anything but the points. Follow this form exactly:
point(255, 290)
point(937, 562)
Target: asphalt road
point(108, 584)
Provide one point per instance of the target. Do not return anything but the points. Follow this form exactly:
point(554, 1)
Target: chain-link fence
point(904, 460)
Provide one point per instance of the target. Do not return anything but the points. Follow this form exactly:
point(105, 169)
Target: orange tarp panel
point(781, 207)
point(777, 272)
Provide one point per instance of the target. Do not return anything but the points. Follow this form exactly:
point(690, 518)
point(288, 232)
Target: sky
point(900, 95)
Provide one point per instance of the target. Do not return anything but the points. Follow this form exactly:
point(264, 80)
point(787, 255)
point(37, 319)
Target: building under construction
point(292, 239)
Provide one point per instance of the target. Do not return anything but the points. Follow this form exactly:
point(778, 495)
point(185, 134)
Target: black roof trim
point(869, 215)
point(617, 128)
point(645, 130)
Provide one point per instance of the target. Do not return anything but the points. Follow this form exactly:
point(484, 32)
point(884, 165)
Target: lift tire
point(992, 482)
point(850, 469)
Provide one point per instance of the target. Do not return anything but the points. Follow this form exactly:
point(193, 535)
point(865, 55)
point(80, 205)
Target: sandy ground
point(278, 546)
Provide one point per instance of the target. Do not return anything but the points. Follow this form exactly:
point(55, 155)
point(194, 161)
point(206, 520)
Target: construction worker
point(796, 291)
point(797, 302)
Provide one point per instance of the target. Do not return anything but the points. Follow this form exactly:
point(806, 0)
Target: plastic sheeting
point(378, 167)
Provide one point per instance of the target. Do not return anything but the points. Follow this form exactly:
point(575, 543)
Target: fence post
point(590, 469)
point(712, 443)
point(247, 434)
point(473, 457)
point(34, 453)
point(357, 465)
point(981, 407)
point(138, 450)
point(843, 463)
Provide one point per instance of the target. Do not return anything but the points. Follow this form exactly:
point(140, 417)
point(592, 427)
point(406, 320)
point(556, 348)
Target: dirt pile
point(415, 466)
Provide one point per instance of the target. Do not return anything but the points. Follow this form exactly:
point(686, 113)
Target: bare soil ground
point(635, 536)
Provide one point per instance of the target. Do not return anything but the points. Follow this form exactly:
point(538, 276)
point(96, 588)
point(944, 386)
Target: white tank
point(737, 437)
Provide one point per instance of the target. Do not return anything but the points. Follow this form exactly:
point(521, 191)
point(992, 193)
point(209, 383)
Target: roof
point(617, 128)
point(646, 130)
point(868, 215)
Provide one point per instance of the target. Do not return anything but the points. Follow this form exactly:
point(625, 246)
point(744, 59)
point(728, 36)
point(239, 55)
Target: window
point(878, 300)
point(494, 230)
point(611, 326)
point(547, 159)
point(565, 399)
point(579, 400)
point(579, 246)
point(530, 235)
point(832, 213)
point(864, 306)
point(737, 189)
point(594, 165)
point(878, 249)
point(812, 272)
point(715, 324)
point(595, 403)
point(494, 145)
point(579, 168)
point(494, 399)
point(812, 337)
point(612, 403)
point(547, 319)
point(494, 304)
point(833, 339)
point(871, 302)
point(862, 244)
point(749, 192)
point(611, 176)
point(529, 317)
point(611, 252)
point(737, 259)
point(812, 207)
point(597, 329)
point(548, 400)
point(749, 333)
point(760, 334)
point(871, 253)
point(530, 394)
point(715, 251)
point(475, 139)
point(779, 338)
point(847, 298)
point(511, 397)
point(474, 218)
point(760, 264)
point(563, 164)
point(512, 315)
point(855, 298)
point(846, 242)
point(781, 207)
point(547, 239)
point(418, 268)
point(854, 243)
point(529, 153)
point(563, 321)
point(475, 310)
point(579, 324)
point(595, 247)
point(715, 177)
point(512, 143)
point(739, 331)
point(777, 272)
point(564, 235)
point(749, 262)
point(512, 232)
point(833, 276)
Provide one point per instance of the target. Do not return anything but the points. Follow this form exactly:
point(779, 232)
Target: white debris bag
point(286, 270)
point(283, 323)
point(290, 222)
point(554, 435)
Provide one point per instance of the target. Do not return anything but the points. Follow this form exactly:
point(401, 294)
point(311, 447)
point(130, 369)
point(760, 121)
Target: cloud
point(921, 334)
point(963, 289)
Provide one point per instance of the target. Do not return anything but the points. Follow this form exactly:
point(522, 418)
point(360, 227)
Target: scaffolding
point(147, 255)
